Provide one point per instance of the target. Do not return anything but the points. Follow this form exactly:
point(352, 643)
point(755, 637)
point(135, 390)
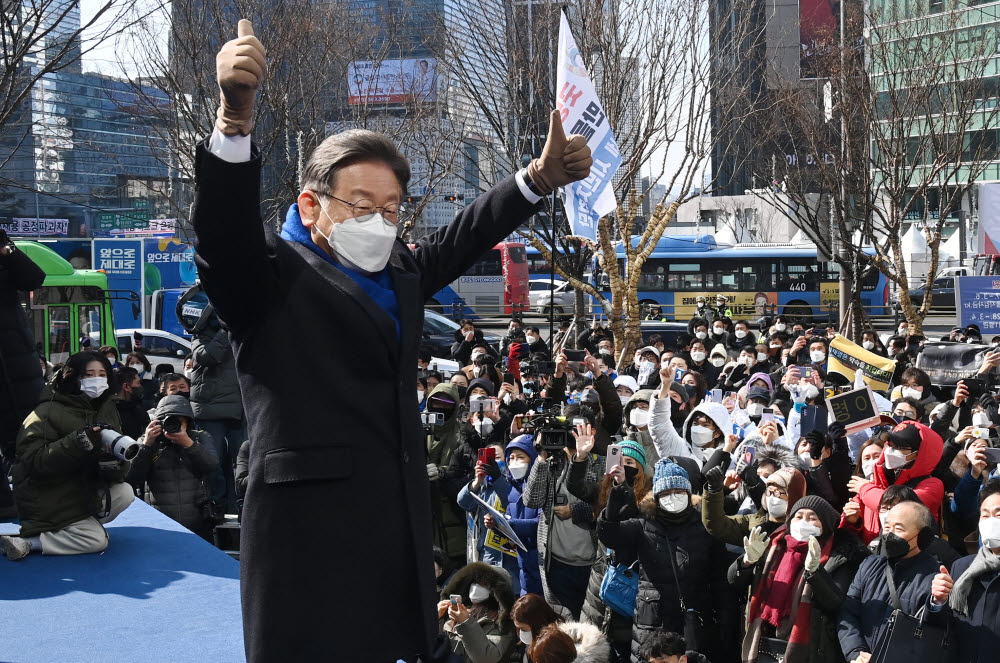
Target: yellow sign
point(847, 358)
point(495, 540)
point(743, 304)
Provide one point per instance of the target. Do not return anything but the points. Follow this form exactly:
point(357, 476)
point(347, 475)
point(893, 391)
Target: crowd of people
point(749, 532)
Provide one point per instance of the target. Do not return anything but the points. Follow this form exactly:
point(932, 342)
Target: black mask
point(135, 395)
point(630, 474)
point(677, 416)
point(894, 546)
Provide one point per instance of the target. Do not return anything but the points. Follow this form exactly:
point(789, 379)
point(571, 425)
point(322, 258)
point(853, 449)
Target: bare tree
point(652, 66)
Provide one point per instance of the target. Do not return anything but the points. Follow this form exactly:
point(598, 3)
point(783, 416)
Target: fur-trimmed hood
point(591, 645)
point(776, 454)
point(492, 578)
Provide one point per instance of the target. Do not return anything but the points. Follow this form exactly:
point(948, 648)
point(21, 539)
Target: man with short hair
point(668, 647)
point(339, 280)
point(129, 402)
point(865, 613)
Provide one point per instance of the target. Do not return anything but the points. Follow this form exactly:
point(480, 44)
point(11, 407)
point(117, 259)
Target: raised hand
point(240, 67)
point(941, 587)
point(584, 435)
point(563, 160)
point(814, 556)
point(755, 545)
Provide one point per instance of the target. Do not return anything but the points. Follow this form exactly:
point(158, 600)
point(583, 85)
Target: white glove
point(433, 472)
point(814, 555)
point(754, 545)
point(798, 393)
point(859, 379)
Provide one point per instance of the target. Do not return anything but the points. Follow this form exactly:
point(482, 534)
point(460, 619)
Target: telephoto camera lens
point(122, 446)
point(172, 424)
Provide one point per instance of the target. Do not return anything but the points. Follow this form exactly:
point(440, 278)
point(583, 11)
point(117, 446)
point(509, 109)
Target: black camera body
point(551, 430)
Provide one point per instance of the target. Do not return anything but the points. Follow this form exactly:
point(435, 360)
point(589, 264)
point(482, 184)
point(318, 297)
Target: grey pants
point(87, 535)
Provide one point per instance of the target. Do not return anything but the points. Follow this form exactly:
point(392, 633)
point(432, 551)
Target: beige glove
point(754, 545)
point(563, 160)
point(240, 67)
point(814, 555)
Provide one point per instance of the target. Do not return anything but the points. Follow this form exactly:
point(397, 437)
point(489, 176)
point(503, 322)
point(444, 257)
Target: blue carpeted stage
point(158, 593)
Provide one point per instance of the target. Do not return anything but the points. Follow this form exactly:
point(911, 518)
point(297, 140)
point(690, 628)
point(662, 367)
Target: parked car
point(160, 347)
point(541, 296)
point(944, 293)
point(439, 334)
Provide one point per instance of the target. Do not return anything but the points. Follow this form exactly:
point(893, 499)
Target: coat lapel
point(345, 284)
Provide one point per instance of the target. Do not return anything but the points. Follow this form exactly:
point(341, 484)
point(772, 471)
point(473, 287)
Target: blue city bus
point(756, 278)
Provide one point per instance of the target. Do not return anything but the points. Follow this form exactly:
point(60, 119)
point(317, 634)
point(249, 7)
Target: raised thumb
point(944, 570)
point(557, 137)
point(244, 28)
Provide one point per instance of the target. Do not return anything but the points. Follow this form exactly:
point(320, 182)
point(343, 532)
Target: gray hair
point(347, 148)
point(922, 514)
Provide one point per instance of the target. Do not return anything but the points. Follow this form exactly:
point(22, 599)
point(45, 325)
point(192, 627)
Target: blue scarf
point(378, 286)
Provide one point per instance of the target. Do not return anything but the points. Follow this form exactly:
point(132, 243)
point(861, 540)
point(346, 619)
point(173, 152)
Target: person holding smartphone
point(474, 614)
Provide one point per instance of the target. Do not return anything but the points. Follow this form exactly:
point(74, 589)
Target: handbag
point(620, 587)
point(908, 638)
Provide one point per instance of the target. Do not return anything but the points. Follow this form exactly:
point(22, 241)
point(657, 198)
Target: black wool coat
point(336, 538)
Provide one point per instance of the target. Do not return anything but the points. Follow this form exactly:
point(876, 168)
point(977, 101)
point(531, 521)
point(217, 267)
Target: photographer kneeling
point(173, 465)
point(70, 464)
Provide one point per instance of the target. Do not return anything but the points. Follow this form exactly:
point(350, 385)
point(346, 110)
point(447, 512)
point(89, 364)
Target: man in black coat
point(336, 542)
point(20, 369)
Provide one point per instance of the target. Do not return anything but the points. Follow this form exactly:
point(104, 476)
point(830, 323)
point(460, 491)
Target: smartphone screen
point(716, 395)
point(614, 457)
point(768, 415)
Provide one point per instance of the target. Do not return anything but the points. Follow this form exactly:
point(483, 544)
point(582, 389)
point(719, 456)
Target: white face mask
point(474, 356)
point(894, 458)
point(806, 458)
point(698, 356)
point(755, 409)
point(508, 398)
point(781, 326)
point(189, 373)
point(867, 467)
point(93, 387)
point(420, 396)
point(531, 339)
point(718, 362)
point(525, 637)
point(916, 393)
point(702, 435)
point(363, 242)
point(638, 418)
point(741, 333)
point(981, 419)
point(701, 335)
point(776, 507)
point(868, 345)
point(648, 366)
point(138, 367)
point(812, 391)
point(802, 530)
point(761, 356)
point(674, 503)
point(989, 532)
point(484, 426)
point(817, 356)
point(624, 400)
point(478, 593)
point(901, 331)
point(518, 470)
point(718, 331)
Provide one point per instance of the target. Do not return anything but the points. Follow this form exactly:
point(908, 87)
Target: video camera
point(551, 428)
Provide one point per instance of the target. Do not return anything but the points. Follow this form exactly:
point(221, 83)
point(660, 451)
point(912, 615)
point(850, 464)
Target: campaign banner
point(169, 264)
point(581, 112)
point(977, 299)
point(947, 363)
point(848, 358)
point(122, 260)
point(391, 81)
point(21, 227)
point(856, 410)
point(989, 217)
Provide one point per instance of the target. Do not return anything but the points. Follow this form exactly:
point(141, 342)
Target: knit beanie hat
point(634, 450)
point(668, 475)
point(790, 480)
point(827, 514)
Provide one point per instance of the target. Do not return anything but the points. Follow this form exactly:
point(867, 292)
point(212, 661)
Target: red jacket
point(930, 490)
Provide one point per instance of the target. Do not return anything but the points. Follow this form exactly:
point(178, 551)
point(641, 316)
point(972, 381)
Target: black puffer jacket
point(215, 392)
point(173, 476)
point(20, 372)
point(701, 563)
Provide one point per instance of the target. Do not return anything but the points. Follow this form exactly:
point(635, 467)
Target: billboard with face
point(391, 81)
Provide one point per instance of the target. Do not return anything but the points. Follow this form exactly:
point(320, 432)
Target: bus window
point(719, 277)
point(685, 276)
point(59, 334)
point(517, 254)
point(489, 265)
point(799, 276)
point(89, 319)
point(654, 276)
point(758, 275)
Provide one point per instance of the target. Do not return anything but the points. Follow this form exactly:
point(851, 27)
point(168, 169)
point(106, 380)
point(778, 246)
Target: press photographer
point(70, 463)
point(173, 465)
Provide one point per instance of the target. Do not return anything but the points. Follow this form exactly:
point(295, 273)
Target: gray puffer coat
point(173, 476)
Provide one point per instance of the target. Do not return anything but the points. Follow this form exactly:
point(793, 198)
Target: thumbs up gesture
point(563, 161)
point(240, 67)
point(941, 587)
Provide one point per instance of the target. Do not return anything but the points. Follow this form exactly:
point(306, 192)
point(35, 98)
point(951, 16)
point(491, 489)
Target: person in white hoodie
point(706, 428)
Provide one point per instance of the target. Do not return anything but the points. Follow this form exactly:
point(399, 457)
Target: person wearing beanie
point(174, 463)
point(633, 472)
point(666, 530)
point(635, 418)
point(798, 578)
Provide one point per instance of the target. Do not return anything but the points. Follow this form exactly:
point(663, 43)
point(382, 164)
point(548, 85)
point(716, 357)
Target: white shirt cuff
point(525, 191)
point(234, 149)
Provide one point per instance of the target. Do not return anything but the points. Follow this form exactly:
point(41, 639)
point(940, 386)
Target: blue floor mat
point(158, 593)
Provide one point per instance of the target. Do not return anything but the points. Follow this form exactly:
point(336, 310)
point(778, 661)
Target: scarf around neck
point(985, 563)
point(776, 603)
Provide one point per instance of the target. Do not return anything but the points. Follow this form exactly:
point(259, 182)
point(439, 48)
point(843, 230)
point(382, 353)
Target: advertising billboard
point(818, 27)
point(391, 81)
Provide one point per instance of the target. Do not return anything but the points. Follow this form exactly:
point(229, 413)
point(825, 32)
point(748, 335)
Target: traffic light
point(413, 199)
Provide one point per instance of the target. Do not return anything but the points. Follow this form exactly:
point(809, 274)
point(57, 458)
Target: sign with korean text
point(947, 363)
point(977, 299)
point(586, 201)
point(848, 358)
point(856, 409)
point(122, 261)
point(21, 227)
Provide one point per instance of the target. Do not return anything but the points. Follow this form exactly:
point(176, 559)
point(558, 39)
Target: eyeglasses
point(365, 207)
point(773, 491)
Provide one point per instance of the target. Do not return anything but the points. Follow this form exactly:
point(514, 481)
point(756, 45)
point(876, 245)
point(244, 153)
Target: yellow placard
point(495, 540)
point(847, 358)
point(744, 304)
